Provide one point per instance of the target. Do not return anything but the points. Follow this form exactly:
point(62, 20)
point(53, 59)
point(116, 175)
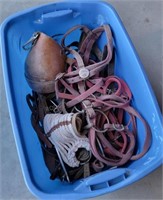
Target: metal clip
point(59, 76)
point(32, 41)
point(100, 147)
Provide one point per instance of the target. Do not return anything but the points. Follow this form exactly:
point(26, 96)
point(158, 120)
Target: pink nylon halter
point(112, 139)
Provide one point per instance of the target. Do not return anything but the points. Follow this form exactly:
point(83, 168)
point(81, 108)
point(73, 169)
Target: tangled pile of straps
point(88, 124)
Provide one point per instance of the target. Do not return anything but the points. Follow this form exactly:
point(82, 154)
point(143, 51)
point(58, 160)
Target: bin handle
point(104, 180)
point(83, 1)
point(56, 14)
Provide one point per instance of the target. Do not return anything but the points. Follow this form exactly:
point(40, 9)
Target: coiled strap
point(106, 102)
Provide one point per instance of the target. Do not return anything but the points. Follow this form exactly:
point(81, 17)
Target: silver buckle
point(118, 127)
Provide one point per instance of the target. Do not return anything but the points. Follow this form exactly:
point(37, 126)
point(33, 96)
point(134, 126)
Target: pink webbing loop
point(82, 27)
point(123, 132)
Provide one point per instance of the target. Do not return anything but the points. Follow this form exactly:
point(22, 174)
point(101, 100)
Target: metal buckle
point(104, 130)
point(118, 127)
point(54, 107)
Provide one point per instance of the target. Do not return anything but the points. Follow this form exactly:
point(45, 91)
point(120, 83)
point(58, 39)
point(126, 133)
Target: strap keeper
point(89, 109)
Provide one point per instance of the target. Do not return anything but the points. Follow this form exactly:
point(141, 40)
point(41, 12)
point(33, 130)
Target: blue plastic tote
point(57, 18)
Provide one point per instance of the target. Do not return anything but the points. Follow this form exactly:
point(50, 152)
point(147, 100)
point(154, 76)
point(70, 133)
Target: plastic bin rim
point(27, 178)
point(27, 10)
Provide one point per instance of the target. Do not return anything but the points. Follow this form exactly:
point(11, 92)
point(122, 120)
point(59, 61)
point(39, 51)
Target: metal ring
point(104, 130)
point(87, 159)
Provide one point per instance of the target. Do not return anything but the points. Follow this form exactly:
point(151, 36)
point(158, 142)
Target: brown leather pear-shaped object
point(43, 63)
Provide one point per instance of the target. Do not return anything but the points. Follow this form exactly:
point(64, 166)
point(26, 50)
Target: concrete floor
point(143, 21)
